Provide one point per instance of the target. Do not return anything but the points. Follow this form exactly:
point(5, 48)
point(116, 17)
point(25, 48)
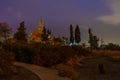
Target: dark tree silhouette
point(93, 40)
point(77, 34)
point(111, 46)
point(90, 37)
point(45, 34)
point(71, 34)
point(49, 32)
point(21, 35)
point(58, 39)
point(4, 30)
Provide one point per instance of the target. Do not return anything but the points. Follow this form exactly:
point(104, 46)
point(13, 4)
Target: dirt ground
point(23, 74)
point(90, 69)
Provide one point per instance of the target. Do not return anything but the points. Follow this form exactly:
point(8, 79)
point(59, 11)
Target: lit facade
point(36, 35)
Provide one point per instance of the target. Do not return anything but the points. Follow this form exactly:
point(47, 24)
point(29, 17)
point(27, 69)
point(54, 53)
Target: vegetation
point(77, 34)
point(65, 58)
point(67, 71)
point(71, 34)
point(93, 40)
point(4, 30)
point(43, 54)
point(21, 35)
point(6, 60)
point(110, 46)
point(45, 34)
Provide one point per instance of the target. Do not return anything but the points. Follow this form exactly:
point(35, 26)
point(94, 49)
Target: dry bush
point(75, 61)
point(67, 71)
point(52, 55)
point(106, 52)
point(6, 62)
point(115, 58)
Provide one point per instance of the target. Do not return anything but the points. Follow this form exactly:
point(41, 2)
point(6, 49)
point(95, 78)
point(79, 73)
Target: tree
point(77, 34)
point(45, 34)
point(112, 46)
point(49, 32)
point(71, 34)
point(90, 37)
point(93, 40)
point(21, 35)
point(4, 30)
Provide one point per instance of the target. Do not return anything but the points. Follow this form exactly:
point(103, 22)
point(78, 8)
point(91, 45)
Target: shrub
point(6, 62)
point(52, 55)
point(23, 52)
point(67, 71)
point(80, 51)
point(43, 54)
point(115, 58)
point(48, 55)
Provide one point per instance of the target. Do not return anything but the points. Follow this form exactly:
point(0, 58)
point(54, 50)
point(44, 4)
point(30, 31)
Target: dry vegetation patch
point(67, 71)
point(6, 60)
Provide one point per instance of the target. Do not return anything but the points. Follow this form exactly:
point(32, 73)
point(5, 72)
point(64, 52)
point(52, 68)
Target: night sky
point(103, 16)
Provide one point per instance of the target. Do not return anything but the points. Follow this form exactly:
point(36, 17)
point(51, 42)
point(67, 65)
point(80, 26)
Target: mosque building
point(37, 35)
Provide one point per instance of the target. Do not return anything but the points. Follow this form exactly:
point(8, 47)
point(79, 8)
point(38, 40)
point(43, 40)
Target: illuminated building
point(36, 35)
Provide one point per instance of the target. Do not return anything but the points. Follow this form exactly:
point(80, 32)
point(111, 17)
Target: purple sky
point(103, 16)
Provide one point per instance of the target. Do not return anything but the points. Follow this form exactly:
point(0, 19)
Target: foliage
point(22, 52)
point(21, 35)
point(43, 54)
point(4, 30)
point(6, 60)
point(80, 51)
point(57, 40)
point(71, 34)
point(93, 40)
point(51, 55)
point(110, 46)
point(67, 71)
point(77, 34)
point(90, 37)
point(44, 35)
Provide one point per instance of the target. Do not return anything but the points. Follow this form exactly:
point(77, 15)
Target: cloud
point(113, 18)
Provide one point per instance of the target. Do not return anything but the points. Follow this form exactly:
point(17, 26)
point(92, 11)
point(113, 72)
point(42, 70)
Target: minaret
point(41, 25)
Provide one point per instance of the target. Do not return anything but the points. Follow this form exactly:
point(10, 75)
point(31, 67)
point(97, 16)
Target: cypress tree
point(90, 37)
point(77, 34)
point(71, 34)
